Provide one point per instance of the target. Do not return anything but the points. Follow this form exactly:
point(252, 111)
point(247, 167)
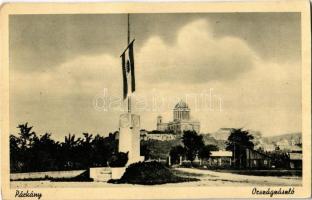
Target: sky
point(233, 69)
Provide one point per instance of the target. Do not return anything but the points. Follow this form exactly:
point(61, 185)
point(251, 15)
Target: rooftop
point(221, 154)
point(295, 156)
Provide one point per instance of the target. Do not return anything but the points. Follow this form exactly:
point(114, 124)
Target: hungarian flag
point(127, 60)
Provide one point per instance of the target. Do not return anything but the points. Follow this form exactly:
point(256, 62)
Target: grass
point(151, 173)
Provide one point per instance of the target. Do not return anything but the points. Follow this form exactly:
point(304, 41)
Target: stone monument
point(129, 123)
point(129, 136)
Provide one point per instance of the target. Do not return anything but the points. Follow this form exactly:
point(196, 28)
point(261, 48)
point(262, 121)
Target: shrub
point(150, 173)
point(176, 152)
point(189, 164)
point(119, 160)
point(186, 163)
point(195, 164)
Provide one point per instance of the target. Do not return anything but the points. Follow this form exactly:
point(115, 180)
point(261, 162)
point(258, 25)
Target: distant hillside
point(224, 133)
point(219, 138)
point(158, 149)
point(208, 139)
point(221, 134)
point(289, 136)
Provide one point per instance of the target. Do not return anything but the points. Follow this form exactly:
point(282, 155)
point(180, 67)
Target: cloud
point(83, 74)
point(40, 42)
point(256, 93)
point(61, 100)
point(196, 57)
point(267, 98)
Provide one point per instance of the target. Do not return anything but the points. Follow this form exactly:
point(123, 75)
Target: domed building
point(181, 112)
point(182, 120)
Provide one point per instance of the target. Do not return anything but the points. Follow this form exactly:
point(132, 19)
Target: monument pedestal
point(129, 137)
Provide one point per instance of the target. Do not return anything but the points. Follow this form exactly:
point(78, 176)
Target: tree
point(29, 152)
point(15, 152)
point(176, 152)
point(145, 150)
point(192, 143)
point(205, 152)
point(119, 159)
point(26, 135)
point(103, 148)
point(155, 149)
point(44, 154)
point(100, 153)
point(69, 151)
point(25, 140)
point(70, 141)
point(85, 150)
point(238, 141)
point(280, 159)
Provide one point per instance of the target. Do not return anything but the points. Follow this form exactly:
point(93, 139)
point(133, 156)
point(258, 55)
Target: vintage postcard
point(156, 100)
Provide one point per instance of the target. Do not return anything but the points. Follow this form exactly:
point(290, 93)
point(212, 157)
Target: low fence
point(268, 172)
point(44, 175)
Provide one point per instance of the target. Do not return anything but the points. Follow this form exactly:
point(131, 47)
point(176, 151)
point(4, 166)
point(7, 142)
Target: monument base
point(100, 174)
point(129, 137)
point(117, 172)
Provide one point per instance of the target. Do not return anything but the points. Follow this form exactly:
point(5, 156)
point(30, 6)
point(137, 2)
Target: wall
point(42, 175)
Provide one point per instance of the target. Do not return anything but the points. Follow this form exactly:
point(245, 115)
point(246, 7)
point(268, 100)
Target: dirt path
point(212, 178)
point(207, 178)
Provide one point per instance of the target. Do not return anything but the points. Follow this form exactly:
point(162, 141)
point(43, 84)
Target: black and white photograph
point(156, 99)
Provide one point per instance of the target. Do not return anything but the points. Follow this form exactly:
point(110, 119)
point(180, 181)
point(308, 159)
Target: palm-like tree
point(238, 141)
point(205, 152)
point(192, 144)
point(70, 151)
point(86, 150)
point(70, 141)
point(29, 152)
point(26, 135)
point(15, 153)
point(87, 138)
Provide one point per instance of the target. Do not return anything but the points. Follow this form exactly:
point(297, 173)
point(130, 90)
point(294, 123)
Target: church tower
point(159, 119)
point(159, 122)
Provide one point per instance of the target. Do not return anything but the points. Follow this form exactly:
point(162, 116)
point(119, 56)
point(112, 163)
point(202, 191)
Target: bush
point(149, 173)
point(195, 164)
point(189, 164)
point(158, 149)
point(119, 160)
point(186, 163)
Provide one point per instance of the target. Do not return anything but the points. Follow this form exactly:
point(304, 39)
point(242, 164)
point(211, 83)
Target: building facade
point(257, 160)
point(181, 120)
point(156, 135)
point(295, 160)
point(220, 158)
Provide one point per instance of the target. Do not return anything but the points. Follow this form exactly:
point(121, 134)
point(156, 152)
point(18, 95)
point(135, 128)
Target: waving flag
point(127, 59)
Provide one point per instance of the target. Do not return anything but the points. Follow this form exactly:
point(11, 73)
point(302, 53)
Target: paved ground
point(207, 178)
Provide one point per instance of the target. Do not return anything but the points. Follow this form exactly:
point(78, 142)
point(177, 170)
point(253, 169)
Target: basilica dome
point(182, 105)
point(181, 120)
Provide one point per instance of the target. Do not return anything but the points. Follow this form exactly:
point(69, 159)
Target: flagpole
point(130, 91)
point(128, 29)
